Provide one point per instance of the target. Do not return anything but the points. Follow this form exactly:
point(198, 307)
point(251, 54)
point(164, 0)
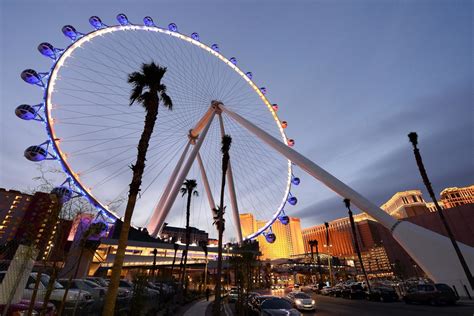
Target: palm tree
point(176, 247)
point(148, 91)
point(219, 220)
point(347, 202)
point(189, 188)
point(424, 175)
point(203, 245)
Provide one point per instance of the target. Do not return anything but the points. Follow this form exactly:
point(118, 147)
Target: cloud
point(447, 154)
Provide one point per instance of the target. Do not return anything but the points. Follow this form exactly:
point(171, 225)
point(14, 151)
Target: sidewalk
point(199, 308)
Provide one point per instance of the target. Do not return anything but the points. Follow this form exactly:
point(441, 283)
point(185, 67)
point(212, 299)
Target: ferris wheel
point(93, 132)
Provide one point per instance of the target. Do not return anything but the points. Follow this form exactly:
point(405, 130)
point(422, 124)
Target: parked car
point(276, 307)
point(326, 290)
point(352, 291)
point(93, 288)
point(21, 308)
point(75, 300)
point(127, 285)
point(382, 293)
point(337, 290)
point(233, 294)
point(256, 302)
point(100, 281)
point(301, 301)
point(433, 294)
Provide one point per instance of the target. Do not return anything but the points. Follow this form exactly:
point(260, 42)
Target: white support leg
point(432, 251)
point(210, 198)
point(179, 181)
point(153, 220)
point(231, 188)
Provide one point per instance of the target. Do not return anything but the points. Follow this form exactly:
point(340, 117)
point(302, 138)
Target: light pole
point(424, 175)
point(326, 224)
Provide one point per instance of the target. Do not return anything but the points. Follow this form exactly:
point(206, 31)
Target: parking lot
point(326, 305)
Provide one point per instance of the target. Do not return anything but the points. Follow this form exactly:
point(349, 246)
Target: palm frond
point(167, 102)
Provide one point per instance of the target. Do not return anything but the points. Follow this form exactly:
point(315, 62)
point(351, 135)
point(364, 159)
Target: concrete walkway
point(198, 308)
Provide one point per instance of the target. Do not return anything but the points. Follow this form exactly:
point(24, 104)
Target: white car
point(301, 301)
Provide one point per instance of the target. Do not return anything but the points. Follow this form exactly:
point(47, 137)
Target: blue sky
point(352, 78)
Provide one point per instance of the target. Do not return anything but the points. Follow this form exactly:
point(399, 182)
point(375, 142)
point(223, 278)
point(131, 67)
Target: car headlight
point(298, 302)
point(313, 302)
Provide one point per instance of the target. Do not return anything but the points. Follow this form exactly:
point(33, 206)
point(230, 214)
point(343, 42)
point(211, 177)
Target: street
point(326, 305)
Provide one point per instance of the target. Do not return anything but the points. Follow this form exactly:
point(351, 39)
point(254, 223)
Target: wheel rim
point(57, 141)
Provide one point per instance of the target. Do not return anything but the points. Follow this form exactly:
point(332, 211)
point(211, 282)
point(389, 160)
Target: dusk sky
point(352, 78)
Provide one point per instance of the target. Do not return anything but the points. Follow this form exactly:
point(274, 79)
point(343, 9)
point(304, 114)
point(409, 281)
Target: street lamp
point(326, 224)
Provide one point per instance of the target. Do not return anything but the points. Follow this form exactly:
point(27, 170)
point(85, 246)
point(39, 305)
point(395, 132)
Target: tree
point(219, 220)
point(148, 91)
point(424, 175)
point(189, 188)
point(176, 247)
point(203, 245)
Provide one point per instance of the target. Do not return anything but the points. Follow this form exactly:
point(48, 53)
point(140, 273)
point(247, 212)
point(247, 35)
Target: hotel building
point(289, 239)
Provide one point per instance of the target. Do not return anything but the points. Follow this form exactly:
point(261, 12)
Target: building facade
point(452, 197)
point(406, 204)
point(28, 219)
point(289, 238)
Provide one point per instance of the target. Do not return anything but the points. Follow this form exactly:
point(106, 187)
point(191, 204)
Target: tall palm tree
point(219, 220)
point(203, 245)
point(424, 175)
point(347, 202)
point(176, 247)
point(189, 188)
point(149, 92)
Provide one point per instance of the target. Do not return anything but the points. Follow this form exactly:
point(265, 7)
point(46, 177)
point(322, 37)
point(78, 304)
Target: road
point(339, 306)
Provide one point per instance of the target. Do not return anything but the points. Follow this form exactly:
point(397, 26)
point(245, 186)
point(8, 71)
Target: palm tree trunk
point(424, 175)
point(137, 169)
point(188, 237)
point(174, 260)
point(217, 302)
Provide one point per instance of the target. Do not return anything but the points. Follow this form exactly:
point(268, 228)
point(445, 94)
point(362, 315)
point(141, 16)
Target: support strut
point(155, 231)
point(210, 198)
point(433, 252)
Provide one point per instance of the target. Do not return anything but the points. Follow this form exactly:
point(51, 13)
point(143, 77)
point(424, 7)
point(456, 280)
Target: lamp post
point(326, 224)
point(424, 175)
point(155, 252)
point(347, 202)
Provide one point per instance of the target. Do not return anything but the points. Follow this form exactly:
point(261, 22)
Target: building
point(170, 233)
point(378, 248)
point(452, 197)
point(13, 205)
point(406, 204)
point(289, 239)
point(432, 208)
point(28, 218)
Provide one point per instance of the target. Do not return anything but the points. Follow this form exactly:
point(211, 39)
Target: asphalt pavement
point(333, 306)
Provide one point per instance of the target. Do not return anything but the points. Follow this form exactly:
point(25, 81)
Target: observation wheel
point(93, 132)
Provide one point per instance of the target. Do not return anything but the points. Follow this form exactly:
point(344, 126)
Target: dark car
point(433, 294)
point(353, 291)
point(256, 301)
point(382, 294)
point(337, 290)
point(277, 307)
